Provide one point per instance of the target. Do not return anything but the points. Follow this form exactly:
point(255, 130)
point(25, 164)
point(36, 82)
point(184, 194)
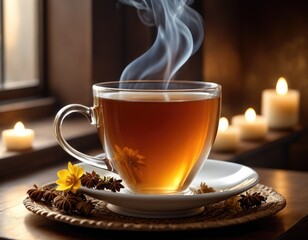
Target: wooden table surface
point(16, 222)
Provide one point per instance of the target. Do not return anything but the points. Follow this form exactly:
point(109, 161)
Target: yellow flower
point(69, 179)
point(129, 162)
point(130, 156)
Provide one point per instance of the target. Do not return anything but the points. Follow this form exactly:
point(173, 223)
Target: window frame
point(22, 93)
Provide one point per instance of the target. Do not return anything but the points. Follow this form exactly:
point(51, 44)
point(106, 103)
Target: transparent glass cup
point(155, 134)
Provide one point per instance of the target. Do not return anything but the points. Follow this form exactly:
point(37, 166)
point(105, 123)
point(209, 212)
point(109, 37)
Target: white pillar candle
point(280, 107)
point(227, 137)
point(18, 138)
point(251, 126)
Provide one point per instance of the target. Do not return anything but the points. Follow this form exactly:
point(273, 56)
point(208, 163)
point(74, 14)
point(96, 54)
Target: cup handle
point(101, 160)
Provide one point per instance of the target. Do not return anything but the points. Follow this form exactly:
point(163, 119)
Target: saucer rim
point(254, 174)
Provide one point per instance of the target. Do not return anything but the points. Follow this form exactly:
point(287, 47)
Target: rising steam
point(179, 35)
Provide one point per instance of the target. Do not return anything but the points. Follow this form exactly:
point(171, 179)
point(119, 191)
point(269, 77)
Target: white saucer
point(228, 179)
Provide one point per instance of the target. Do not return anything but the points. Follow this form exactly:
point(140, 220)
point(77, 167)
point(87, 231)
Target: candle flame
point(282, 86)
point(223, 124)
point(19, 127)
point(250, 115)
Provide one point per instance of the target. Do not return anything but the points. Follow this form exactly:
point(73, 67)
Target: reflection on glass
point(20, 45)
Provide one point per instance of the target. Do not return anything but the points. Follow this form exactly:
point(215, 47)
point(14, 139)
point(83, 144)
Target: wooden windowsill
point(46, 151)
point(26, 110)
point(280, 149)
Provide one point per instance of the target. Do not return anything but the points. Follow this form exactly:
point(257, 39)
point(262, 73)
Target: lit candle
point(227, 137)
point(18, 138)
point(280, 107)
point(251, 126)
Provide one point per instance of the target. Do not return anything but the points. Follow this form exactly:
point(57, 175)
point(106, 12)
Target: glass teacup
point(155, 134)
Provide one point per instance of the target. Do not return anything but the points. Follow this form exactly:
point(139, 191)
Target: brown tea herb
point(251, 200)
point(235, 203)
point(90, 180)
point(94, 180)
point(77, 203)
point(203, 188)
point(36, 193)
point(66, 201)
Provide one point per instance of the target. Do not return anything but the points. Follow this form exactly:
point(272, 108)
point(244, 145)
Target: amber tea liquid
point(157, 141)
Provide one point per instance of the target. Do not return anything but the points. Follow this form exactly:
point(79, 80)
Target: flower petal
point(63, 174)
point(70, 167)
point(79, 171)
point(77, 184)
point(61, 182)
point(63, 188)
point(73, 190)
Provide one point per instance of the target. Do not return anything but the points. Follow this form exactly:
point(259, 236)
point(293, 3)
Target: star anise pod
point(251, 200)
point(115, 185)
point(50, 194)
point(90, 180)
point(84, 207)
point(203, 188)
point(66, 201)
point(110, 183)
point(81, 196)
point(36, 193)
point(104, 183)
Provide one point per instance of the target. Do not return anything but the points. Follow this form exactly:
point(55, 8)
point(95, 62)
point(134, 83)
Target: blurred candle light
point(18, 138)
point(250, 115)
point(251, 126)
point(280, 107)
point(227, 137)
point(281, 86)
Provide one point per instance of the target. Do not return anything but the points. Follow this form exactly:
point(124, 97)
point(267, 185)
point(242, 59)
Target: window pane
point(20, 47)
